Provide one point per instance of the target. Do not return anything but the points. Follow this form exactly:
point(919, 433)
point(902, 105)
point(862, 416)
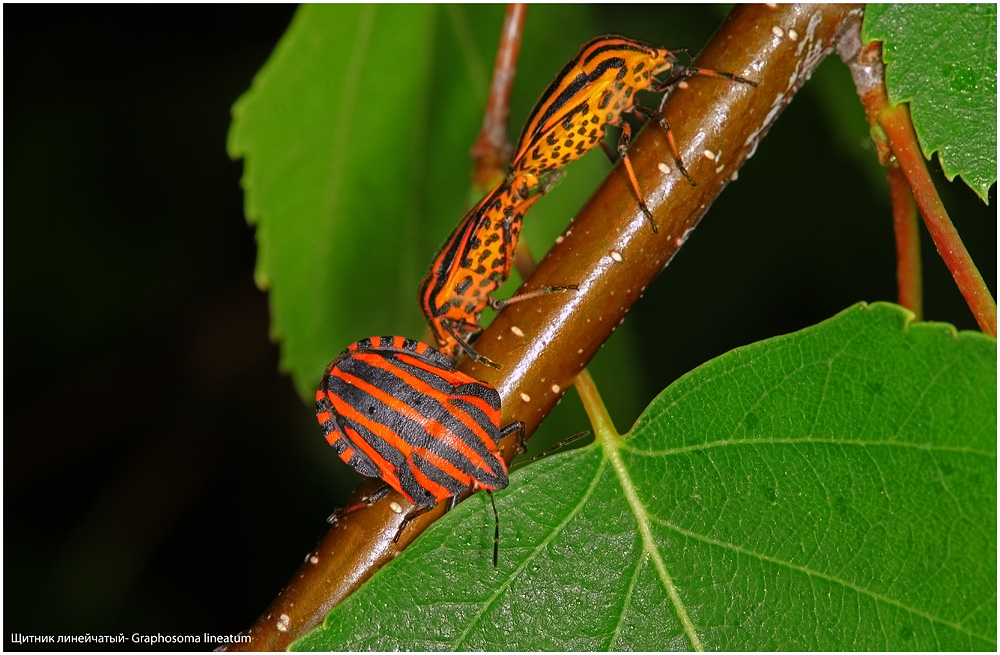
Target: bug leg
point(366, 501)
point(498, 304)
point(689, 71)
point(661, 120)
point(623, 142)
point(522, 439)
point(549, 451)
point(376, 496)
point(476, 357)
point(414, 513)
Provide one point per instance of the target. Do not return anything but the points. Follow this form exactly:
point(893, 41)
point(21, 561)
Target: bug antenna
point(496, 532)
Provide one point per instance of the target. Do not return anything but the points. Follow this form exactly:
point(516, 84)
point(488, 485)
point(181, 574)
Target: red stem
point(868, 71)
point(905, 225)
point(903, 141)
point(896, 144)
point(493, 148)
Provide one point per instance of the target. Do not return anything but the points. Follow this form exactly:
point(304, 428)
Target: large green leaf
point(832, 489)
point(348, 135)
point(942, 59)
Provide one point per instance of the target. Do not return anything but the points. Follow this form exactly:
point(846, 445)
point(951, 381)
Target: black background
point(141, 387)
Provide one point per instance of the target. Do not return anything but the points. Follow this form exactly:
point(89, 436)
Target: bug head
point(665, 61)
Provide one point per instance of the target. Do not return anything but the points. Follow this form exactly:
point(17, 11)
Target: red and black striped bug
point(397, 409)
point(475, 261)
point(593, 90)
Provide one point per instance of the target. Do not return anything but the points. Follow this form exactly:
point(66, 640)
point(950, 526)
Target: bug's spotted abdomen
point(474, 262)
point(592, 92)
point(589, 94)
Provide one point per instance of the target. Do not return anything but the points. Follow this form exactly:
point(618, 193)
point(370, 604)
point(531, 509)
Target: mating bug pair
point(473, 263)
point(592, 92)
point(396, 408)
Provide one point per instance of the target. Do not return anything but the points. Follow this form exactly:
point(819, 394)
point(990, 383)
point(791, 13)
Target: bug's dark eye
point(371, 409)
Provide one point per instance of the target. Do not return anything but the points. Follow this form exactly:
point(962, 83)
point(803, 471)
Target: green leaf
point(942, 59)
point(349, 135)
point(832, 489)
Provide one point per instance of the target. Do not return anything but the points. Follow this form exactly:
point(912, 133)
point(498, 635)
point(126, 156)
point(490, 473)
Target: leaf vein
point(488, 603)
point(611, 448)
point(809, 440)
point(814, 574)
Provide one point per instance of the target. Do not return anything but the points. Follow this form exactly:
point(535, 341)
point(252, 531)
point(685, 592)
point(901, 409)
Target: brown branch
point(493, 148)
point(611, 252)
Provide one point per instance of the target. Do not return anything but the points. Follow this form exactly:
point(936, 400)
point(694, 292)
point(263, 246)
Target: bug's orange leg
point(623, 142)
point(661, 120)
point(498, 304)
point(689, 71)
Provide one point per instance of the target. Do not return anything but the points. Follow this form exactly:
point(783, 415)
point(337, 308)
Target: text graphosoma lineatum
point(475, 261)
point(592, 92)
point(397, 409)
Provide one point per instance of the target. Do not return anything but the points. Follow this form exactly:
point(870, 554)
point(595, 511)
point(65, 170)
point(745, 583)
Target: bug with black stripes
point(593, 91)
point(396, 409)
point(474, 262)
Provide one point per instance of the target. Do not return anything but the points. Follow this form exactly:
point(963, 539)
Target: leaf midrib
point(611, 445)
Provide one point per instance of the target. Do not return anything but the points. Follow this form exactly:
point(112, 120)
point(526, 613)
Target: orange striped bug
point(475, 261)
point(397, 409)
point(592, 92)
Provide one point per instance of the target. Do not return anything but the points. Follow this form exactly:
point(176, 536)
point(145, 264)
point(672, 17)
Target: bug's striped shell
point(397, 409)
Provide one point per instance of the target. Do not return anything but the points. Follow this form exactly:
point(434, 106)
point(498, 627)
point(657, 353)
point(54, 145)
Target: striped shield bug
point(475, 261)
point(593, 90)
point(397, 409)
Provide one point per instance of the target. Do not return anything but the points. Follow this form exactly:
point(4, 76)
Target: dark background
point(147, 484)
point(160, 474)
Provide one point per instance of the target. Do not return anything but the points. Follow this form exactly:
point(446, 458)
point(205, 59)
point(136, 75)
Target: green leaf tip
point(941, 58)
